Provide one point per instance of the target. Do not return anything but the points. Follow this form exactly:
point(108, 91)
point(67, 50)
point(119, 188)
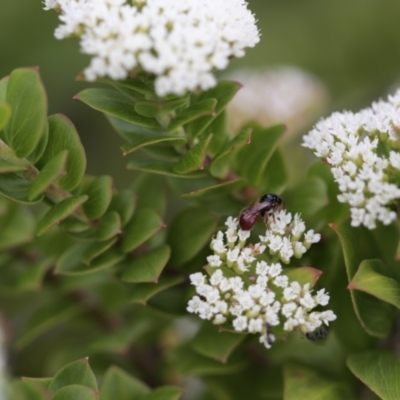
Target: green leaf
point(32, 277)
point(76, 392)
point(153, 109)
point(26, 390)
point(196, 110)
point(369, 279)
point(16, 188)
point(70, 263)
point(116, 104)
point(59, 212)
point(275, 175)
point(142, 292)
point(151, 191)
point(308, 197)
point(220, 163)
point(75, 373)
point(210, 342)
point(27, 98)
point(6, 167)
point(95, 249)
point(63, 136)
point(303, 275)
point(357, 244)
point(189, 362)
point(142, 227)
point(45, 319)
point(117, 384)
point(194, 158)
point(305, 383)
point(37, 154)
point(189, 233)
point(100, 194)
point(252, 159)
point(109, 226)
point(5, 113)
point(124, 204)
point(225, 187)
point(49, 173)
point(164, 393)
point(148, 267)
point(45, 382)
point(379, 370)
point(17, 227)
point(159, 167)
point(223, 93)
point(143, 141)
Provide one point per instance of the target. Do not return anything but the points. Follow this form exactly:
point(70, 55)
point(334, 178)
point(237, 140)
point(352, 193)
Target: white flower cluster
point(283, 94)
point(360, 148)
point(180, 42)
point(262, 297)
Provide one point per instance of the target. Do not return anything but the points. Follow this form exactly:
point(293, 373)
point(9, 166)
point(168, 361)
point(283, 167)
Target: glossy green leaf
point(63, 136)
point(27, 98)
point(159, 167)
point(120, 340)
point(189, 362)
point(223, 93)
point(370, 279)
point(95, 249)
point(116, 104)
point(59, 212)
point(220, 163)
point(45, 382)
point(305, 383)
point(357, 244)
point(379, 370)
point(109, 226)
point(6, 167)
point(16, 188)
point(142, 292)
point(25, 390)
point(45, 319)
point(153, 109)
point(37, 154)
point(151, 192)
point(124, 204)
point(253, 158)
point(189, 233)
point(308, 197)
point(215, 189)
point(142, 227)
point(70, 263)
point(275, 175)
point(117, 384)
point(75, 373)
point(164, 393)
point(17, 227)
point(100, 194)
point(76, 392)
point(32, 278)
point(49, 173)
point(143, 141)
point(196, 110)
point(5, 113)
point(194, 158)
point(148, 267)
point(210, 342)
point(303, 275)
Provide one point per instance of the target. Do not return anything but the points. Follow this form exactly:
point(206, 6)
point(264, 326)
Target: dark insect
point(266, 206)
point(320, 333)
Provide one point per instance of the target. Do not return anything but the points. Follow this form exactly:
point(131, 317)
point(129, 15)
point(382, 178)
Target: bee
point(265, 207)
point(318, 334)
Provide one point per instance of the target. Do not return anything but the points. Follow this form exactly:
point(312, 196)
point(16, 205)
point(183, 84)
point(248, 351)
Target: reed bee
point(265, 207)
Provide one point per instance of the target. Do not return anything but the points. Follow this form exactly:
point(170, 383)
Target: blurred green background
point(352, 45)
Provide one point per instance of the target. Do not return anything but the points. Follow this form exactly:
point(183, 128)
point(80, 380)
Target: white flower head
point(181, 44)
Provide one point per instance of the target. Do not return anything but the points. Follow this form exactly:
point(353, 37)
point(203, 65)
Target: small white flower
point(255, 325)
point(262, 268)
point(267, 298)
point(281, 281)
point(232, 223)
point(194, 305)
point(322, 298)
point(219, 319)
point(275, 270)
point(327, 316)
point(243, 235)
point(298, 249)
point(214, 261)
point(240, 323)
point(197, 279)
